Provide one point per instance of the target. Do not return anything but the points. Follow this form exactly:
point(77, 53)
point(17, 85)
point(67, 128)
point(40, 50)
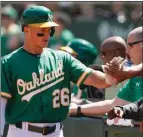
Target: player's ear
point(25, 29)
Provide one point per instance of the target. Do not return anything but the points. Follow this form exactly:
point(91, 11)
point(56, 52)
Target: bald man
point(112, 47)
point(135, 44)
point(131, 92)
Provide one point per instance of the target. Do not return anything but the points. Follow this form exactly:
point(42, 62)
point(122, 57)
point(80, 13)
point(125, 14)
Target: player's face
point(39, 36)
point(107, 54)
point(135, 50)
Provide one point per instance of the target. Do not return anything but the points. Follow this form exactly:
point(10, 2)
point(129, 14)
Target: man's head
point(112, 47)
point(81, 49)
point(9, 15)
point(135, 45)
point(38, 25)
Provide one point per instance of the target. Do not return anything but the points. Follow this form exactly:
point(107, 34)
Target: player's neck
point(32, 49)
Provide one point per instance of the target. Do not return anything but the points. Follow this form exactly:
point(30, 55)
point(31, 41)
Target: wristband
point(79, 111)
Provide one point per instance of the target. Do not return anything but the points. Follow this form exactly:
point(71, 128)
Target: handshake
point(114, 71)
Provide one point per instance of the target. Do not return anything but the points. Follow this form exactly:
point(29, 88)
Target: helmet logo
point(49, 17)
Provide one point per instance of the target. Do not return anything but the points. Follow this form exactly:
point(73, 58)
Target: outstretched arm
point(125, 73)
point(96, 79)
point(100, 107)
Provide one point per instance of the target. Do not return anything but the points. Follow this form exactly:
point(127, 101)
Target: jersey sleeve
point(124, 93)
point(78, 72)
point(5, 79)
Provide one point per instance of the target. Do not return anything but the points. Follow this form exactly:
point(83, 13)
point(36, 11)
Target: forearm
point(101, 107)
point(96, 79)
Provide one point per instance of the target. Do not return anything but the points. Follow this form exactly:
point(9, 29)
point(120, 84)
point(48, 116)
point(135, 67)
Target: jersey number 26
point(61, 97)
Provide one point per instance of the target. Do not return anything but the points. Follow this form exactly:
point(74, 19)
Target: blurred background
point(93, 21)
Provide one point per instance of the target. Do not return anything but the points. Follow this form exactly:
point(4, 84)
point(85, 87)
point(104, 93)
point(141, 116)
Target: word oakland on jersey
point(38, 87)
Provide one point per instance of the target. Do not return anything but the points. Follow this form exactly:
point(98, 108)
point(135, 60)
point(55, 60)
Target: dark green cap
point(38, 16)
point(84, 51)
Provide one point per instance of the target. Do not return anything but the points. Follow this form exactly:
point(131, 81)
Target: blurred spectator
point(9, 16)
point(87, 11)
point(137, 14)
point(118, 10)
point(62, 35)
point(9, 31)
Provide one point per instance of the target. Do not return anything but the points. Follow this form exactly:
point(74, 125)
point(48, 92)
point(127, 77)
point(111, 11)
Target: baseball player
point(35, 80)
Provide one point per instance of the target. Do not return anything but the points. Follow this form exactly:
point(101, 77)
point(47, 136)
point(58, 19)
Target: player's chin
point(44, 44)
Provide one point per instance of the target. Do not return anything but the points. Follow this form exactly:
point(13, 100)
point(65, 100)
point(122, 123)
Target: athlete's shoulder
point(11, 55)
point(136, 79)
point(58, 53)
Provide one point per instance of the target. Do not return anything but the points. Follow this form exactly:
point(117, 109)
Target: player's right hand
point(115, 112)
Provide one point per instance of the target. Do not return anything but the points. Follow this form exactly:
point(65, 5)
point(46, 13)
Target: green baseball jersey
point(133, 90)
point(38, 87)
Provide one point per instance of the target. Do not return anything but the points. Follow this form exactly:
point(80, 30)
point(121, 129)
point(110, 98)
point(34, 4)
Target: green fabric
point(39, 85)
point(75, 90)
point(64, 38)
point(133, 90)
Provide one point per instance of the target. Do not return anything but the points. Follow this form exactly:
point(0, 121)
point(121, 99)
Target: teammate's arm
point(3, 102)
point(100, 107)
point(125, 73)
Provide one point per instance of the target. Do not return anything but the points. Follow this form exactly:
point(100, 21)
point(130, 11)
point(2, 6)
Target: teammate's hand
point(115, 63)
point(115, 112)
point(116, 69)
point(73, 109)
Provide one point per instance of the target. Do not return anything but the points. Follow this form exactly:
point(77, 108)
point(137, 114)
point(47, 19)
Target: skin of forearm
point(137, 70)
point(101, 107)
point(96, 79)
